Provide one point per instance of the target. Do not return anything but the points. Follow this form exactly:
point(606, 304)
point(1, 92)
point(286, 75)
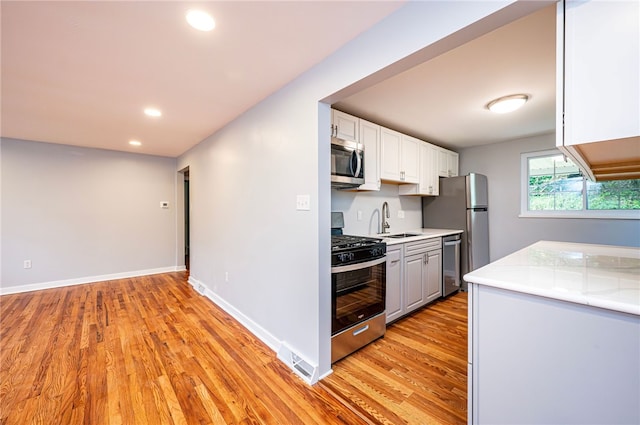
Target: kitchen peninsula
point(554, 336)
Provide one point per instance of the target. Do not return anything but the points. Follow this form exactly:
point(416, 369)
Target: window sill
point(600, 215)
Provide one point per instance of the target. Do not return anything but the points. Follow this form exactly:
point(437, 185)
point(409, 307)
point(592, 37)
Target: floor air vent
point(304, 369)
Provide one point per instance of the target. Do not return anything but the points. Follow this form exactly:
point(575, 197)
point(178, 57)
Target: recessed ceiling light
point(135, 143)
point(200, 20)
point(153, 112)
point(506, 104)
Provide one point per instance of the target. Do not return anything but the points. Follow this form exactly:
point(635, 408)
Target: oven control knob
point(345, 256)
point(376, 252)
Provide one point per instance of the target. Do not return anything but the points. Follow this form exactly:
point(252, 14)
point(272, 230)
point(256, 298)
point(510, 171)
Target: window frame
point(583, 213)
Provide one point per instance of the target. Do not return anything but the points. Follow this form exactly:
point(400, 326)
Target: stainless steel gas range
point(358, 281)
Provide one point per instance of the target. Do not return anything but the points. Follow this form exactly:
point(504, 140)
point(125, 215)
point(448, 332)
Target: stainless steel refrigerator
point(462, 204)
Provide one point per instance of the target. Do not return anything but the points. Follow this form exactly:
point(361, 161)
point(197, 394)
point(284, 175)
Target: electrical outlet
point(226, 276)
point(400, 214)
point(201, 288)
point(164, 204)
point(27, 264)
point(359, 215)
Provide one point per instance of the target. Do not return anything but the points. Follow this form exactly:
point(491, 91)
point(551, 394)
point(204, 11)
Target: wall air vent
point(303, 368)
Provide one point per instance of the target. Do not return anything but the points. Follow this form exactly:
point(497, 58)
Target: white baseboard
point(301, 367)
point(252, 326)
point(87, 279)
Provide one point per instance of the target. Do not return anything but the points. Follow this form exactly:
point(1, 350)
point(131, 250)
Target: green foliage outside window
point(555, 184)
point(613, 195)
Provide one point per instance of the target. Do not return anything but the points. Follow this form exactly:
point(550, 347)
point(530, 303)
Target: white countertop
point(422, 234)
point(597, 275)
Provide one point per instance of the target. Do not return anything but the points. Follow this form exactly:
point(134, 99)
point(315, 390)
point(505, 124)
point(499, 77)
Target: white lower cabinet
point(395, 296)
point(414, 276)
point(433, 275)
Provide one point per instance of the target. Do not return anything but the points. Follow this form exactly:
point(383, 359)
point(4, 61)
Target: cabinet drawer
point(422, 245)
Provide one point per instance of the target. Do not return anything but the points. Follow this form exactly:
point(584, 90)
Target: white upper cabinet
point(344, 126)
point(394, 157)
point(390, 160)
point(411, 159)
point(348, 127)
point(598, 86)
point(428, 184)
point(399, 157)
point(370, 137)
point(447, 163)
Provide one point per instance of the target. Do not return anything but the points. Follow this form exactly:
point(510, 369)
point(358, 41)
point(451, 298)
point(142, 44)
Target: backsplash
point(369, 206)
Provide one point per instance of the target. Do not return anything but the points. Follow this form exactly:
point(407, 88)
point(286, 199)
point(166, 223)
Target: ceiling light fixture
point(153, 112)
point(135, 143)
point(200, 20)
point(505, 104)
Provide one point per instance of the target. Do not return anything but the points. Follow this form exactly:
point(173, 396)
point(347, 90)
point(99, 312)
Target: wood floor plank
point(419, 366)
point(151, 350)
point(146, 350)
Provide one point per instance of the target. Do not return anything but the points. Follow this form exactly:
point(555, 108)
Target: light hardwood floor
point(150, 350)
point(416, 374)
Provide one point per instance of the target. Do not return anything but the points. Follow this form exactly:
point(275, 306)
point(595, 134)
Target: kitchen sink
point(403, 235)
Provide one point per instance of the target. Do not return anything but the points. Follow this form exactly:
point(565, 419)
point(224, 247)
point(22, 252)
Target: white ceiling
point(443, 100)
point(81, 73)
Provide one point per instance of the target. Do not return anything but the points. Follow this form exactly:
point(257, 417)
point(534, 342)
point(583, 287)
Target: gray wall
point(80, 213)
point(500, 162)
point(245, 178)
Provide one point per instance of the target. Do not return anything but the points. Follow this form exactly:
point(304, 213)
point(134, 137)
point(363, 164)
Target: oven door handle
point(358, 266)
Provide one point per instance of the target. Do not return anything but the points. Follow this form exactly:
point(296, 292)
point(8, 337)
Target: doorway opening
point(185, 174)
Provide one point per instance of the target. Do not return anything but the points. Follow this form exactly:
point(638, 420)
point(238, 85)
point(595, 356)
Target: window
point(552, 186)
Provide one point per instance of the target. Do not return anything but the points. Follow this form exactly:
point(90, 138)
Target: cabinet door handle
point(395, 261)
point(425, 259)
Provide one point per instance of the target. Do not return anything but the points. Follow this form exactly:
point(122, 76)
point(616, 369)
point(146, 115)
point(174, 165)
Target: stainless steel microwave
point(347, 163)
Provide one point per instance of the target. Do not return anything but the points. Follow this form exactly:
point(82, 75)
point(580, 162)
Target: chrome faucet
point(385, 215)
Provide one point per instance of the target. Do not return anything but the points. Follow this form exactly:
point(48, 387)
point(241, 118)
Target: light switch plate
point(303, 203)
